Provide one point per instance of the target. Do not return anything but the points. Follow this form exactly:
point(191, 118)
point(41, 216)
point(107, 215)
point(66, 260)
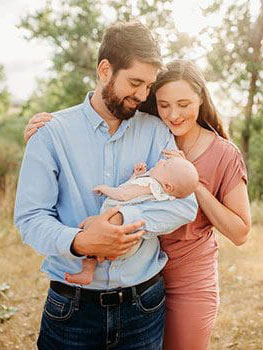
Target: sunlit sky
point(24, 61)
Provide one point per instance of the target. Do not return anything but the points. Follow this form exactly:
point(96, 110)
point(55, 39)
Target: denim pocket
point(153, 298)
point(57, 307)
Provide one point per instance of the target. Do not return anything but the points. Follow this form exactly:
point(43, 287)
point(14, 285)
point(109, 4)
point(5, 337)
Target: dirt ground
point(239, 324)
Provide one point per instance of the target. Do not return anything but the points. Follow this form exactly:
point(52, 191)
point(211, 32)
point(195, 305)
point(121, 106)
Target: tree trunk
point(256, 38)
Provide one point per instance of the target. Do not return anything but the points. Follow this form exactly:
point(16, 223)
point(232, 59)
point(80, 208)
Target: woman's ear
point(104, 71)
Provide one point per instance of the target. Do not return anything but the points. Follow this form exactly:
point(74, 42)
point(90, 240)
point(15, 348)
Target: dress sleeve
point(235, 171)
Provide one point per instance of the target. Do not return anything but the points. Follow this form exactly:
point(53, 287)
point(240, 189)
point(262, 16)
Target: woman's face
point(178, 106)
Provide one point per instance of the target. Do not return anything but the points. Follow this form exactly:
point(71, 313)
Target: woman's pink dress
point(190, 276)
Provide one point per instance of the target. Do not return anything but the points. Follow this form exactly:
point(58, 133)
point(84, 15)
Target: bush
point(257, 212)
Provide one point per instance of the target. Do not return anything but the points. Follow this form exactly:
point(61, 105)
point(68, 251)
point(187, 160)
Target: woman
point(180, 98)
point(191, 282)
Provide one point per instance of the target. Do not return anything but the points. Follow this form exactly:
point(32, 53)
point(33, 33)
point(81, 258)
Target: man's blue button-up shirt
point(63, 161)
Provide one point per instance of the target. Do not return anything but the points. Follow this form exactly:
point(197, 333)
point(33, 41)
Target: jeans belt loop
point(76, 300)
point(135, 296)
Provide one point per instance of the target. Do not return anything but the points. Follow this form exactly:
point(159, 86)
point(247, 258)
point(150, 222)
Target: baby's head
point(177, 176)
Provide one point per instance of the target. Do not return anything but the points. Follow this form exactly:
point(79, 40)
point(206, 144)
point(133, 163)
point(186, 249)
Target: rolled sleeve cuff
point(65, 242)
point(130, 214)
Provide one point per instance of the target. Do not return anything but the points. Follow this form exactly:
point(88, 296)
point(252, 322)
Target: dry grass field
point(239, 324)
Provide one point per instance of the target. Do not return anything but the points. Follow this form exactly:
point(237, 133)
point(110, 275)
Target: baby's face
point(162, 169)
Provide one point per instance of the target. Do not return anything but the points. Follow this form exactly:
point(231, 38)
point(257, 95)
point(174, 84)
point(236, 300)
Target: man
point(98, 142)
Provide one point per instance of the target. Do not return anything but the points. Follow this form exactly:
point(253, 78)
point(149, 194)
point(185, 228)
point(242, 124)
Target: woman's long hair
point(186, 70)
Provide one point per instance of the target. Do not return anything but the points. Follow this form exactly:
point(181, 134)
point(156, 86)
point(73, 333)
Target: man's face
point(128, 88)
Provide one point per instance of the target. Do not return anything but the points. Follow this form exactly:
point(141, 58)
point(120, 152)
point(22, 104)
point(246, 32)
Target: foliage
point(5, 311)
point(11, 146)
point(4, 94)
point(236, 57)
point(75, 28)
point(256, 211)
point(255, 159)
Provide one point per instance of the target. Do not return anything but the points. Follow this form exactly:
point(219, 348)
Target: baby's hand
point(100, 189)
point(140, 168)
point(170, 153)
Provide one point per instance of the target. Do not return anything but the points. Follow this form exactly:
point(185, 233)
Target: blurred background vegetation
point(230, 54)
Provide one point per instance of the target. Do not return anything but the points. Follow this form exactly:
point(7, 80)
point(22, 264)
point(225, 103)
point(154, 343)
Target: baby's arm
point(123, 193)
point(126, 192)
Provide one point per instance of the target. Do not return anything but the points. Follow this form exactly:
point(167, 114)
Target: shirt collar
point(96, 119)
point(90, 112)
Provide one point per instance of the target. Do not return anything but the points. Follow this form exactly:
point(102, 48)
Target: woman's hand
point(170, 153)
point(36, 122)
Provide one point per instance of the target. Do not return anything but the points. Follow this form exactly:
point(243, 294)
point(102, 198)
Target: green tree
point(255, 161)
point(4, 95)
point(74, 28)
point(236, 57)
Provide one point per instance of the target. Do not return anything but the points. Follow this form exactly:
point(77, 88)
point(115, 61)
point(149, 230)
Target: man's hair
point(124, 42)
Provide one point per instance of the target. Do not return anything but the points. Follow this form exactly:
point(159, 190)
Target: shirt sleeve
point(235, 171)
point(35, 215)
point(162, 217)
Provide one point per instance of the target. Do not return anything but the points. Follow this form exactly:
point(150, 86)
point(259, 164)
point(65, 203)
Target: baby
point(167, 180)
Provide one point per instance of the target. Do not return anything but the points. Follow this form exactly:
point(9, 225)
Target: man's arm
point(37, 218)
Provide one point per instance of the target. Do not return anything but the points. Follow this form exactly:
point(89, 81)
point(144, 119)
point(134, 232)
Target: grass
point(239, 324)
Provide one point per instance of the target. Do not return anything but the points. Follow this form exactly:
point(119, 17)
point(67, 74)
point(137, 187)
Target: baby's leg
point(86, 275)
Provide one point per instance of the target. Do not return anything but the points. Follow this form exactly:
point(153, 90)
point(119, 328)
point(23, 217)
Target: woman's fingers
point(41, 117)
point(28, 133)
point(173, 153)
point(36, 122)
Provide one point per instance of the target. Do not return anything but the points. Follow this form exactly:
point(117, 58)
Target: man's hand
point(36, 122)
point(102, 238)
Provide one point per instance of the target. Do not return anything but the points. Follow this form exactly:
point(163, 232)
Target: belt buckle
point(104, 295)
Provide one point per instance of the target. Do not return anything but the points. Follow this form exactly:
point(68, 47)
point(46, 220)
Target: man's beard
point(115, 105)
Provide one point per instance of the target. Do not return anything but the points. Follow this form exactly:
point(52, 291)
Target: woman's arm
point(232, 217)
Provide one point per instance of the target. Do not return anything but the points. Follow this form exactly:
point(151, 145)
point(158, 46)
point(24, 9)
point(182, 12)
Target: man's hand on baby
point(140, 168)
point(170, 153)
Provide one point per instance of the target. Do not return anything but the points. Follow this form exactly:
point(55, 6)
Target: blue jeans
point(72, 325)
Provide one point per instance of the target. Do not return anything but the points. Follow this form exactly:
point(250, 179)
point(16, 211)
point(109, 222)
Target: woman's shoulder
point(226, 147)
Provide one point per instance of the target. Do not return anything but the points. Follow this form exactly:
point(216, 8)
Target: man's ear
point(104, 71)
point(168, 187)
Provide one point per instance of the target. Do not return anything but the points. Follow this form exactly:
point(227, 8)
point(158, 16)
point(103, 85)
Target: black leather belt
point(111, 297)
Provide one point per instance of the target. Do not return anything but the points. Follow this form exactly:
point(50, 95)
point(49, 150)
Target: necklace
point(194, 143)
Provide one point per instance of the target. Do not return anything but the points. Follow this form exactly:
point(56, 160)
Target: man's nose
point(142, 93)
